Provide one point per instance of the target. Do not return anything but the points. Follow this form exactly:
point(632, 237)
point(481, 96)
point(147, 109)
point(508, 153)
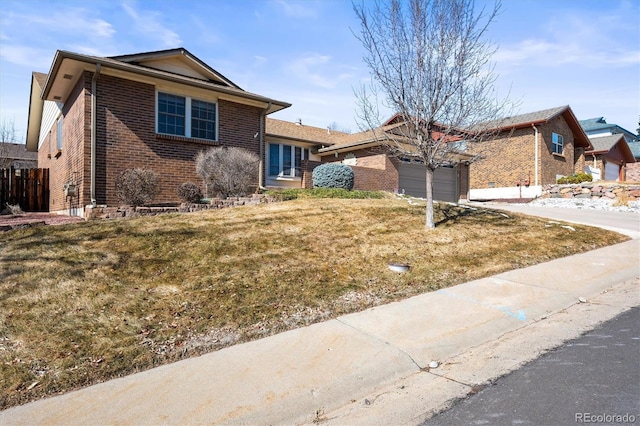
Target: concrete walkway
point(325, 372)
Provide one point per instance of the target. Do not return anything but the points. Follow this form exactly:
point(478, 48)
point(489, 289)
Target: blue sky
point(585, 53)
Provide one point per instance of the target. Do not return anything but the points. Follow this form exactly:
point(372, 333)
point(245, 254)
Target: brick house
point(295, 149)
point(609, 158)
point(529, 151)
point(91, 117)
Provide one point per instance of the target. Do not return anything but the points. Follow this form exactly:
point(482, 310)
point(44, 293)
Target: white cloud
point(318, 70)
point(34, 58)
point(297, 9)
point(68, 20)
point(149, 24)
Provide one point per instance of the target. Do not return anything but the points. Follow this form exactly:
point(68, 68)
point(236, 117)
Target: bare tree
point(7, 137)
point(430, 64)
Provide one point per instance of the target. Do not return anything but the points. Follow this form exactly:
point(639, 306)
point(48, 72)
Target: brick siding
point(510, 158)
point(126, 138)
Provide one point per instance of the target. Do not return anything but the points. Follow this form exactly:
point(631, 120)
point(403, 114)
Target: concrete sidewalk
point(303, 375)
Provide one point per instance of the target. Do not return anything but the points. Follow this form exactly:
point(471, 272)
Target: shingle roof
point(605, 143)
point(40, 77)
point(595, 124)
point(635, 149)
point(18, 151)
point(302, 132)
point(529, 118)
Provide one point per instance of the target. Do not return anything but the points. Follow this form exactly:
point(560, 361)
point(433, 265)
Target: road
point(592, 379)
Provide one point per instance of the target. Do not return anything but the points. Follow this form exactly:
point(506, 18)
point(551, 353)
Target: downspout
point(263, 116)
point(94, 108)
point(536, 154)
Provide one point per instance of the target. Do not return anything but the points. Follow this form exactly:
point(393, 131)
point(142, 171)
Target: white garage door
point(611, 171)
point(412, 179)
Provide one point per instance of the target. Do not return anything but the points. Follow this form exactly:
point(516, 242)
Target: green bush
point(333, 175)
point(293, 194)
point(189, 192)
point(136, 187)
point(575, 178)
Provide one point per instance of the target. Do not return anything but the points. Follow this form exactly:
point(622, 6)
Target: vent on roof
point(57, 98)
point(67, 76)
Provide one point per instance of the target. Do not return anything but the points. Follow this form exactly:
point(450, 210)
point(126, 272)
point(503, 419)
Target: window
point(59, 134)
point(286, 160)
point(184, 116)
point(557, 143)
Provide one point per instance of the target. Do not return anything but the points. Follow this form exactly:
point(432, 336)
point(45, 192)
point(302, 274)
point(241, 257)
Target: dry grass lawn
point(84, 303)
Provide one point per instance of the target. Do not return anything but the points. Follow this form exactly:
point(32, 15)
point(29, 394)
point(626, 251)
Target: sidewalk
point(303, 375)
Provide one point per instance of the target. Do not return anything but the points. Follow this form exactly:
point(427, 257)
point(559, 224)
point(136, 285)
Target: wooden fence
point(28, 188)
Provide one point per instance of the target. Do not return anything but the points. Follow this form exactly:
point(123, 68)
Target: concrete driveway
point(627, 223)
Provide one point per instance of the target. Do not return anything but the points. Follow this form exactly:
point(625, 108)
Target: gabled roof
point(600, 125)
point(604, 144)
point(177, 66)
point(180, 56)
point(542, 117)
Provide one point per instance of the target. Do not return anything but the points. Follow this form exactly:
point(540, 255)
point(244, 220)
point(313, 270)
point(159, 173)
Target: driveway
point(627, 223)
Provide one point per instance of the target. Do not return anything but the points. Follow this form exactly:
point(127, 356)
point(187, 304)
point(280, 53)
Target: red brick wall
point(511, 157)
point(62, 164)
point(373, 171)
point(126, 138)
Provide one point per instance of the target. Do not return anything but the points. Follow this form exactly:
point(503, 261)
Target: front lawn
point(84, 303)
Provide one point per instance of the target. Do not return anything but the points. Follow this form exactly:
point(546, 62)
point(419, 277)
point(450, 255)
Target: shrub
point(136, 187)
point(333, 175)
point(575, 178)
point(189, 192)
point(228, 172)
point(293, 194)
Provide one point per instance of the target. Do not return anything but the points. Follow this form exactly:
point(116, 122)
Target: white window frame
point(281, 174)
point(187, 118)
point(557, 140)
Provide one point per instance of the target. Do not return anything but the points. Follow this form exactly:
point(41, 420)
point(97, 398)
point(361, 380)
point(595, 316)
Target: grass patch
point(84, 303)
point(299, 193)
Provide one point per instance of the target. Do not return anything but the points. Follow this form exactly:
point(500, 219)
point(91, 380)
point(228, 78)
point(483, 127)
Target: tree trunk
point(429, 214)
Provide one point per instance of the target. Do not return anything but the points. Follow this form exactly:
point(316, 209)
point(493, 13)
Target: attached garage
point(412, 181)
point(611, 171)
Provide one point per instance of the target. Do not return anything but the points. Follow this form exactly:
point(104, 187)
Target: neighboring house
point(633, 169)
point(595, 127)
point(610, 154)
point(295, 149)
point(92, 117)
point(529, 151)
point(611, 160)
point(16, 155)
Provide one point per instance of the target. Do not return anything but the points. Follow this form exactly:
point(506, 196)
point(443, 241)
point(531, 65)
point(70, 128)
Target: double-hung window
point(286, 160)
point(188, 117)
point(557, 143)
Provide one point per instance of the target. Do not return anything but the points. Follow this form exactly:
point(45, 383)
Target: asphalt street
point(592, 379)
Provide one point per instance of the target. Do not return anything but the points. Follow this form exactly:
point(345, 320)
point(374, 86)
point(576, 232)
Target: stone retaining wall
point(593, 190)
point(104, 212)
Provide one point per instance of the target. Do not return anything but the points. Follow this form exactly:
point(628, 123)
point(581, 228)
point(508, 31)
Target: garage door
point(611, 171)
point(413, 182)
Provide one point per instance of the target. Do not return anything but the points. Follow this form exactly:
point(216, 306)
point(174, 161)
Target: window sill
point(58, 153)
point(185, 139)
point(285, 178)
point(555, 154)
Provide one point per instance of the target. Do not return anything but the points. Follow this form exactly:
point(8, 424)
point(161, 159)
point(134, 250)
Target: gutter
point(94, 108)
point(536, 153)
point(263, 116)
